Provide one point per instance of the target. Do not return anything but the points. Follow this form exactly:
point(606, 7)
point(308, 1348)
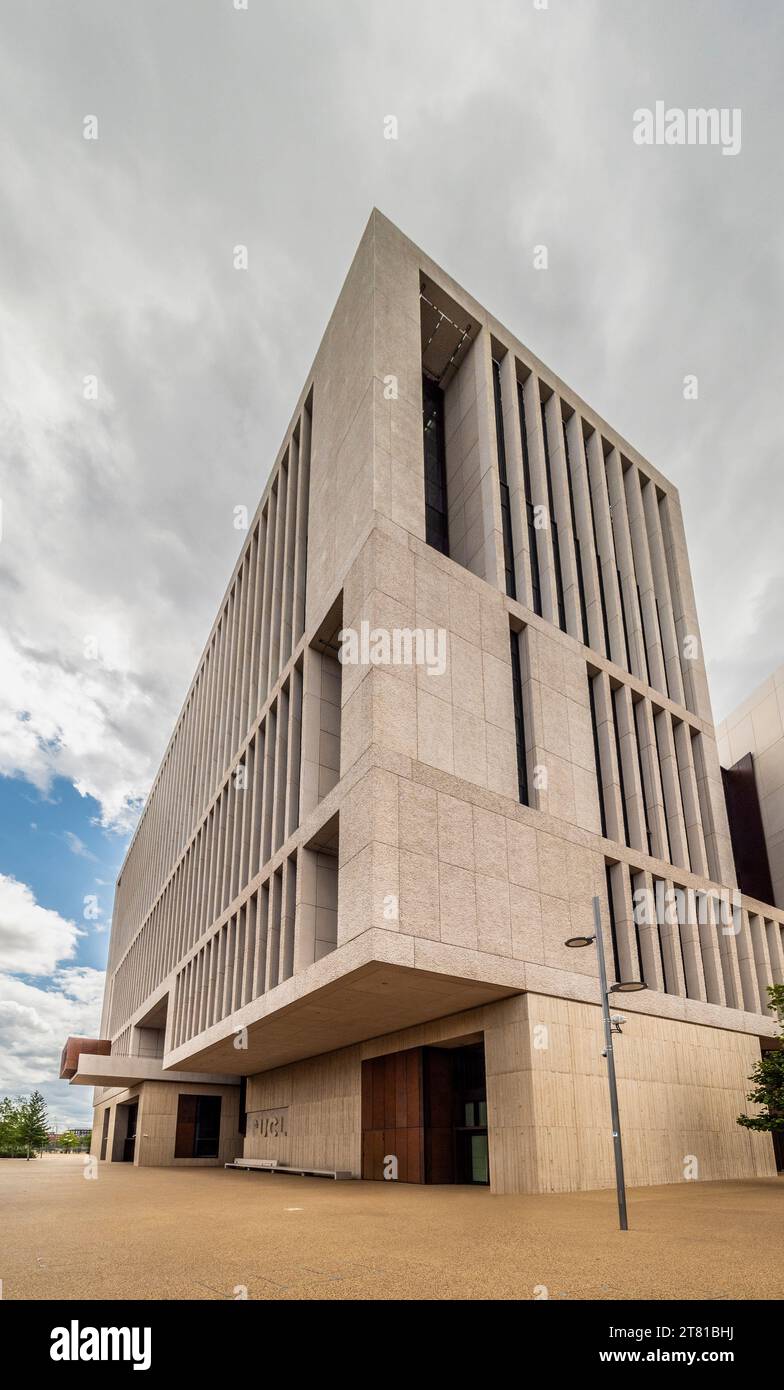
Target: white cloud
point(36, 1018)
point(77, 846)
point(33, 939)
point(34, 1024)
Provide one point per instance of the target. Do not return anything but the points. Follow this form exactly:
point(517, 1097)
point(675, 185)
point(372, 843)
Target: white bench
point(271, 1165)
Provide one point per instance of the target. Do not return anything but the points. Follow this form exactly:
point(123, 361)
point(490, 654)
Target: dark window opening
point(661, 648)
point(536, 588)
point(640, 970)
point(600, 575)
point(105, 1127)
point(596, 754)
point(436, 508)
point(506, 511)
point(613, 928)
point(577, 555)
point(661, 779)
point(559, 591)
point(746, 828)
point(678, 932)
point(644, 638)
point(659, 889)
point(198, 1127)
point(519, 718)
point(242, 1119)
point(625, 625)
point(643, 794)
point(620, 768)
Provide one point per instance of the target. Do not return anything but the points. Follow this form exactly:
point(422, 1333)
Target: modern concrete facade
point(751, 748)
point(344, 908)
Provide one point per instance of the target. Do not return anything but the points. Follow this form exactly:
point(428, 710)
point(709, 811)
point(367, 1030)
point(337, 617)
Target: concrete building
point(339, 931)
point(751, 752)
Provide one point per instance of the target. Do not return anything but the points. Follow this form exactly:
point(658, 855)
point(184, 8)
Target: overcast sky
point(265, 127)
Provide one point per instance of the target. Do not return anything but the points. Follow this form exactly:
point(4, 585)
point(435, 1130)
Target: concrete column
point(728, 949)
point(654, 796)
point(684, 608)
point(604, 535)
point(493, 568)
point(669, 928)
point(516, 480)
point(691, 800)
point(644, 570)
point(544, 540)
point(713, 810)
point(710, 951)
point(301, 552)
point(775, 951)
point(658, 558)
point(671, 788)
point(635, 791)
point(690, 946)
point(747, 966)
point(571, 593)
point(582, 512)
point(762, 962)
point(648, 931)
point(611, 781)
point(625, 557)
point(624, 923)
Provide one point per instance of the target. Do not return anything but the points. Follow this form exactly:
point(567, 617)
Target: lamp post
point(622, 987)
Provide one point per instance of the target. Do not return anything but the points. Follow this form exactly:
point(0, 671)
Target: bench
point(271, 1165)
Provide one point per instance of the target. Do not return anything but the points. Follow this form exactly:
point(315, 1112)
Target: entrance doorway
point(129, 1143)
point(424, 1115)
point(104, 1132)
point(472, 1160)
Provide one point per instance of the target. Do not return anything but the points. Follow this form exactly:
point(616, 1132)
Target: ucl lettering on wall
point(268, 1124)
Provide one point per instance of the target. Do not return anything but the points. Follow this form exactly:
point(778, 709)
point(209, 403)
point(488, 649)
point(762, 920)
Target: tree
point(10, 1144)
point(34, 1123)
point(767, 1079)
point(71, 1141)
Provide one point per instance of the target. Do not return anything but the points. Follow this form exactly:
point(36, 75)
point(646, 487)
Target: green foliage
point(767, 1079)
point(71, 1141)
point(33, 1123)
point(10, 1143)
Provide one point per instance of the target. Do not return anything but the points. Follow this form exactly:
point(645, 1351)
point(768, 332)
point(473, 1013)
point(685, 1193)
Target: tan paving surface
point(158, 1233)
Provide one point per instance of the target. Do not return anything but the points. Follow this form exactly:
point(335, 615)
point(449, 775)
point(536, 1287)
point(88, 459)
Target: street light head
point(580, 941)
point(627, 987)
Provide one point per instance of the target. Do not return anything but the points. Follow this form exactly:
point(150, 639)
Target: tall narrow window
point(661, 648)
point(577, 555)
point(436, 512)
point(620, 768)
point(661, 780)
point(597, 754)
point(640, 970)
point(644, 638)
point(625, 624)
point(506, 511)
point(637, 744)
point(519, 718)
point(599, 571)
point(665, 957)
point(559, 591)
point(536, 588)
point(613, 927)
